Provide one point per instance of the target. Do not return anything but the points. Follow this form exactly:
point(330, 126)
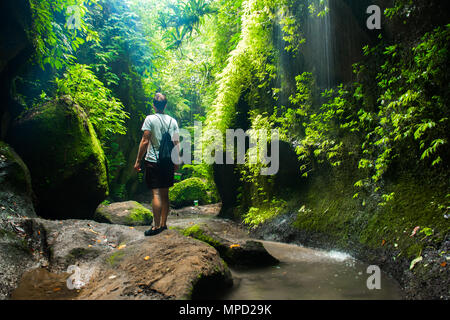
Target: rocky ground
point(111, 261)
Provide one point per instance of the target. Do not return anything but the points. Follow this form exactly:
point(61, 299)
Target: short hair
point(160, 101)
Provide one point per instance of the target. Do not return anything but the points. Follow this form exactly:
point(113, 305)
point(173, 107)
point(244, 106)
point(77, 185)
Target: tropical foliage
point(224, 62)
point(104, 111)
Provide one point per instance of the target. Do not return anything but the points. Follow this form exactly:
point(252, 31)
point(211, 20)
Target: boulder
point(118, 262)
point(184, 193)
point(65, 159)
point(129, 213)
point(16, 194)
point(247, 253)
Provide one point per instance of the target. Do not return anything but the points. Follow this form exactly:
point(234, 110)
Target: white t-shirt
point(158, 125)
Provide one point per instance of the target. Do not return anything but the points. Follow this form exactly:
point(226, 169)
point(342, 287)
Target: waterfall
point(328, 47)
point(333, 43)
point(318, 51)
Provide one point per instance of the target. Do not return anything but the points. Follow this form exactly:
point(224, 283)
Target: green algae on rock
point(130, 213)
point(65, 159)
point(245, 253)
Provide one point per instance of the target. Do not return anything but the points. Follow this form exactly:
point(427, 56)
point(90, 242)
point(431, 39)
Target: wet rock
point(129, 213)
point(118, 262)
point(430, 279)
point(209, 210)
point(21, 250)
point(236, 253)
point(15, 185)
point(65, 159)
point(166, 266)
point(251, 253)
point(82, 242)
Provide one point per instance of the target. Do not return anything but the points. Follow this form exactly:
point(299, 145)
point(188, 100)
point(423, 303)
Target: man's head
point(159, 102)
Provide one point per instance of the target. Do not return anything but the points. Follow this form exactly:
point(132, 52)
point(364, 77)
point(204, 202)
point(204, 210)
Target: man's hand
point(142, 149)
point(137, 166)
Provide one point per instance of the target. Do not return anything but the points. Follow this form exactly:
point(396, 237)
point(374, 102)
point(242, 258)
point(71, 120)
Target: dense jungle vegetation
point(378, 131)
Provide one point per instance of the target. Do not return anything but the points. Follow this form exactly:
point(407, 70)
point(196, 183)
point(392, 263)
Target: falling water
point(318, 51)
point(328, 51)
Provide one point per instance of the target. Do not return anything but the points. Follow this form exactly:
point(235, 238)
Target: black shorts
point(156, 177)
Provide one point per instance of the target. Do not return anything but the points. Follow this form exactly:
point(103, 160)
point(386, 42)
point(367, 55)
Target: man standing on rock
point(160, 136)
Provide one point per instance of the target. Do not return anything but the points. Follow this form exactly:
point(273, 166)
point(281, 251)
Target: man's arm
point(142, 149)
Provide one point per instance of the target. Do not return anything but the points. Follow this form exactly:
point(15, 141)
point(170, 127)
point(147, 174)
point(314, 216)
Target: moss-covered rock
point(129, 213)
point(199, 233)
point(184, 193)
point(245, 253)
point(65, 159)
point(15, 185)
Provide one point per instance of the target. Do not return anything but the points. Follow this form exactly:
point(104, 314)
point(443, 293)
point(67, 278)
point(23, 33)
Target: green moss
point(81, 253)
point(9, 235)
point(258, 215)
point(74, 141)
point(115, 258)
point(329, 208)
point(185, 192)
point(414, 204)
point(140, 214)
point(136, 214)
point(9, 238)
point(100, 166)
point(197, 233)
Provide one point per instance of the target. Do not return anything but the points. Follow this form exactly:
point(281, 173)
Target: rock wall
point(15, 50)
point(16, 194)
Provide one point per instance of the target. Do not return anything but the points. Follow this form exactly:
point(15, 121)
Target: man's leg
point(156, 206)
point(164, 196)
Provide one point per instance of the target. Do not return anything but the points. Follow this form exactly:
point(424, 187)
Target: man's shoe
point(152, 232)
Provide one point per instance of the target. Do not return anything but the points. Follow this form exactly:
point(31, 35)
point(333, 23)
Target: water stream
point(303, 273)
point(309, 274)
